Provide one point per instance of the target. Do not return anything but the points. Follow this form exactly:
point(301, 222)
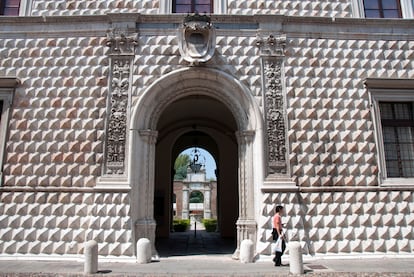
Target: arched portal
point(148, 126)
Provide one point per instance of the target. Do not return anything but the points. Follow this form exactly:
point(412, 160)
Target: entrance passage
point(196, 122)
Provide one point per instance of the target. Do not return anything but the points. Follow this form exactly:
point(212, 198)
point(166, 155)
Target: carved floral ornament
point(272, 50)
point(271, 45)
point(197, 38)
point(122, 48)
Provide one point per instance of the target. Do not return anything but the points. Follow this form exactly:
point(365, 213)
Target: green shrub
point(181, 225)
point(210, 224)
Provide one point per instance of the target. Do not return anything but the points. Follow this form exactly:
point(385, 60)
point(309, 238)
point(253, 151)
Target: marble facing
point(57, 128)
point(375, 222)
point(61, 222)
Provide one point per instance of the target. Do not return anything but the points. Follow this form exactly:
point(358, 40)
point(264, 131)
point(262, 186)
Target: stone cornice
point(292, 26)
point(355, 189)
point(9, 82)
point(63, 189)
point(178, 18)
point(388, 83)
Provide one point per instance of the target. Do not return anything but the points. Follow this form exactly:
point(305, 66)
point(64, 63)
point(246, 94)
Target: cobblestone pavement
point(212, 266)
point(208, 255)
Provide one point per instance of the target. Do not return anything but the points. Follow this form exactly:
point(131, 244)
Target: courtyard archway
point(156, 115)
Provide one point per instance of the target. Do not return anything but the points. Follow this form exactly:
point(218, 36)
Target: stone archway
point(143, 136)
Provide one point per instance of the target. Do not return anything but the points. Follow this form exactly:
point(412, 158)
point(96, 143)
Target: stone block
point(91, 257)
point(247, 251)
point(143, 251)
point(296, 259)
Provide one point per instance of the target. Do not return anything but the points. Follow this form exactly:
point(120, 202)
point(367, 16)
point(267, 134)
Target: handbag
point(278, 245)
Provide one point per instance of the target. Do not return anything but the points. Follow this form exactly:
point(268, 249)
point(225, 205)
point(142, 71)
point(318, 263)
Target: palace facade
point(303, 103)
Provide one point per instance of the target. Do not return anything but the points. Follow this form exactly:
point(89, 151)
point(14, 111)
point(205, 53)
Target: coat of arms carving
point(197, 38)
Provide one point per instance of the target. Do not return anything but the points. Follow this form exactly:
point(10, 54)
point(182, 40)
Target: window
point(9, 7)
point(397, 123)
point(215, 6)
point(392, 108)
point(382, 9)
point(7, 86)
point(192, 6)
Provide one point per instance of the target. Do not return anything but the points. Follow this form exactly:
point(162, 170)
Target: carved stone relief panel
point(272, 51)
point(121, 55)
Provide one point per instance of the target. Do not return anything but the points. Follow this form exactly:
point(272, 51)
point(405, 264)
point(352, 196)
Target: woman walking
point(278, 232)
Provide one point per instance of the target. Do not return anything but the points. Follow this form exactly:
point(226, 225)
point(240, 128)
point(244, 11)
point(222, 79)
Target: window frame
point(381, 9)
point(219, 7)
point(407, 9)
point(25, 8)
point(387, 90)
point(3, 6)
point(7, 89)
point(174, 3)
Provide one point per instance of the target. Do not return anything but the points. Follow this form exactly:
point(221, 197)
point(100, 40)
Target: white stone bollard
point(246, 251)
point(91, 257)
point(296, 259)
point(143, 251)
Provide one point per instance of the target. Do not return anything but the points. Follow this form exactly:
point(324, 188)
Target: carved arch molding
point(122, 51)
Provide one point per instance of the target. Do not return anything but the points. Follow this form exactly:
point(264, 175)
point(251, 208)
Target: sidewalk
point(214, 265)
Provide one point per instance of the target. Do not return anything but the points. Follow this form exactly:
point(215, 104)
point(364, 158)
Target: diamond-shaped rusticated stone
point(159, 55)
point(57, 123)
point(331, 132)
point(79, 7)
point(337, 8)
point(60, 223)
point(342, 222)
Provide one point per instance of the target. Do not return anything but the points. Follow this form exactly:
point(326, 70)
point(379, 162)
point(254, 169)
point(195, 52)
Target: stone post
point(296, 259)
point(144, 251)
point(91, 257)
point(246, 251)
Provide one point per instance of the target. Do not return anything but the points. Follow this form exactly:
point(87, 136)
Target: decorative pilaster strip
point(244, 139)
point(121, 55)
point(246, 225)
point(146, 225)
point(272, 52)
point(150, 137)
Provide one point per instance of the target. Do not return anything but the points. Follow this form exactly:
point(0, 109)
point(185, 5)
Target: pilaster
point(145, 224)
point(121, 43)
point(272, 51)
point(246, 224)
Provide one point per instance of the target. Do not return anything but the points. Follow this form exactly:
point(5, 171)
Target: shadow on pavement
point(186, 244)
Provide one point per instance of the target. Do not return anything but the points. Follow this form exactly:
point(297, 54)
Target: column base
point(246, 229)
point(145, 228)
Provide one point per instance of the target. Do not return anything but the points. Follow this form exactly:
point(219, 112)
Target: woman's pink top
point(277, 223)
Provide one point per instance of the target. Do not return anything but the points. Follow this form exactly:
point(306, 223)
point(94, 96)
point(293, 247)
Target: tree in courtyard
point(180, 166)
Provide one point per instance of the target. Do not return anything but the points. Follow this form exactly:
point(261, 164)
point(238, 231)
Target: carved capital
point(120, 42)
point(150, 136)
point(271, 45)
point(245, 137)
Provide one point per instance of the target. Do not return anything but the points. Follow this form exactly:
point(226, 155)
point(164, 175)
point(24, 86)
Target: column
point(145, 224)
point(207, 201)
point(186, 196)
point(246, 224)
